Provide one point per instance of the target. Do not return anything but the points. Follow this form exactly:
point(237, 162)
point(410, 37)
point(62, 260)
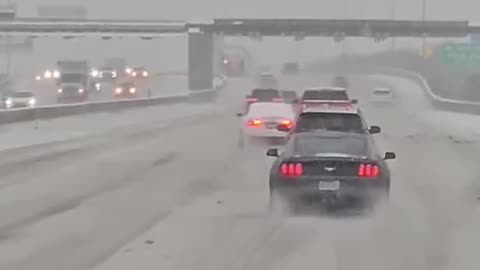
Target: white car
point(382, 95)
point(263, 119)
point(20, 99)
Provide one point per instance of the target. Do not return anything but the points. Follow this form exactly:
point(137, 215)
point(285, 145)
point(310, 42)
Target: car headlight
point(9, 101)
point(48, 74)
point(98, 86)
point(38, 78)
point(32, 101)
point(132, 90)
point(60, 90)
point(145, 74)
point(95, 73)
point(128, 70)
point(134, 74)
point(118, 90)
point(56, 74)
point(114, 74)
point(81, 90)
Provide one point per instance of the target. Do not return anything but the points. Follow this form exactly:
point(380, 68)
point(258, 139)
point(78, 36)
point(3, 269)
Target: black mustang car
point(329, 169)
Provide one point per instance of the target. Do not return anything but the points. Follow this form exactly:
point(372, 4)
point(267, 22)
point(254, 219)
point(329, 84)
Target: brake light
point(368, 170)
point(254, 122)
point(287, 123)
point(291, 169)
point(252, 99)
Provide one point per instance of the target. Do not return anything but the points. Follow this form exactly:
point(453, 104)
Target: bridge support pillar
point(200, 59)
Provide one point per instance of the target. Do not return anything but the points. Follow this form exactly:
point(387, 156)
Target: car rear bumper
point(312, 192)
point(264, 132)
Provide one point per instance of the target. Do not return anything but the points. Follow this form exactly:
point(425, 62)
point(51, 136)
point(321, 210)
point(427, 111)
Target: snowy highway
point(173, 191)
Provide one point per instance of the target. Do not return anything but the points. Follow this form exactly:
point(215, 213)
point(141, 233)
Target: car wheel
point(279, 205)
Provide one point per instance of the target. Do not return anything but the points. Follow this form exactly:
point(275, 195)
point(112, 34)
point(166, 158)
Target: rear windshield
point(381, 92)
point(330, 121)
point(317, 145)
point(265, 94)
point(325, 95)
point(22, 94)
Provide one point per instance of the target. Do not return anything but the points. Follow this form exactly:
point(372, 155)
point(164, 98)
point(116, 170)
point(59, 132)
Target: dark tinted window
point(325, 95)
point(265, 94)
point(330, 121)
point(22, 94)
point(289, 94)
point(317, 145)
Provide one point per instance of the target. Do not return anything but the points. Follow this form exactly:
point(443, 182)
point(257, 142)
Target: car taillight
point(278, 100)
point(368, 170)
point(291, 169)
point(252, 99)
point(254, 122)
point(287, 123)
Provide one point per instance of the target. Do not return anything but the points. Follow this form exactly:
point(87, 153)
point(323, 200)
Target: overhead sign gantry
point(201, 34)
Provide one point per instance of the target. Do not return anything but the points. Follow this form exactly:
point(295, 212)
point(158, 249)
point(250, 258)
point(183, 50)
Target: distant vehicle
point(328, 169)
point(267, 80)
point(107, 74)
point(341, 81)
point(74, 80)
point(126, 89)
point(262, 120)
point(262, 95)
point(382, 95)
point(20, 99)
point(289, 96)
point(137, 72)
point(290, 68)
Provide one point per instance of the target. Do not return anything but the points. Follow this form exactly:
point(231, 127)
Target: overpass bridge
point(201, 35)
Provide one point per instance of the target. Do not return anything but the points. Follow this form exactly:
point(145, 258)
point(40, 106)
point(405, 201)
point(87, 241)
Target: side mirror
point(354, 101)
point(239, 114)
point(284, 128)
point(390, 155)
point(272, 153)
point(374, 130)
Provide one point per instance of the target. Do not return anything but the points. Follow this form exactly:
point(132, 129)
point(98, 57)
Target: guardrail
point(63, 110)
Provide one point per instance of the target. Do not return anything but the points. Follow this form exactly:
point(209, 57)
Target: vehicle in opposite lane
point(125, 90)
point(20, 99)
point(137, 72)
point(329, 169)
point(262, 120)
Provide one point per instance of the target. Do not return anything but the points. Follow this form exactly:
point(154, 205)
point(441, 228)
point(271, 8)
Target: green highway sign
point(461, 54)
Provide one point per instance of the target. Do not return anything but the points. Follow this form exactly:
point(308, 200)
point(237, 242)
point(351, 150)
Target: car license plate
point(329, 185)
point(271, 125)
